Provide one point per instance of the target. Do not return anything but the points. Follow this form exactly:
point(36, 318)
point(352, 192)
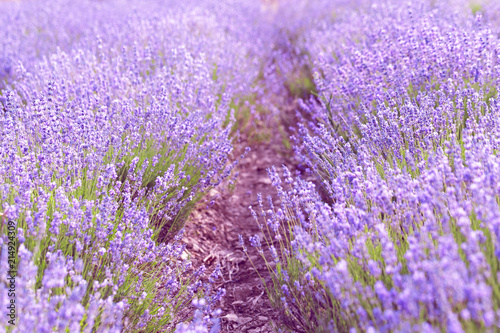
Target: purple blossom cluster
point(115, 120)
point(400, 231)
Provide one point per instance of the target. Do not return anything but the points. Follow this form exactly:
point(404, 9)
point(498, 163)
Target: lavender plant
point(109, 138)
point(404, 141)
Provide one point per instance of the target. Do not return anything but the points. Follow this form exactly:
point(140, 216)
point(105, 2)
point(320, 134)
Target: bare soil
point(212, 233)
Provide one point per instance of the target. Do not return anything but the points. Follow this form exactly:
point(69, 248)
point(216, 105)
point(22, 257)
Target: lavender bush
point(113, 126)
point(404, 142)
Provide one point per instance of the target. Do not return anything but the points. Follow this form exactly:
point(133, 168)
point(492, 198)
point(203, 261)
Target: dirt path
point(212, 238)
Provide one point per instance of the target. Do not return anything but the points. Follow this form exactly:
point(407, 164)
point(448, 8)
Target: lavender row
point(114, 125)
point(403, 138)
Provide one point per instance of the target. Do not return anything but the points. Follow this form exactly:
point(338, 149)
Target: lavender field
point(249, 166)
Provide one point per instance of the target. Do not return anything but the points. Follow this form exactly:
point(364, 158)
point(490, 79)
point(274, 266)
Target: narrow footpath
point(212, 238)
